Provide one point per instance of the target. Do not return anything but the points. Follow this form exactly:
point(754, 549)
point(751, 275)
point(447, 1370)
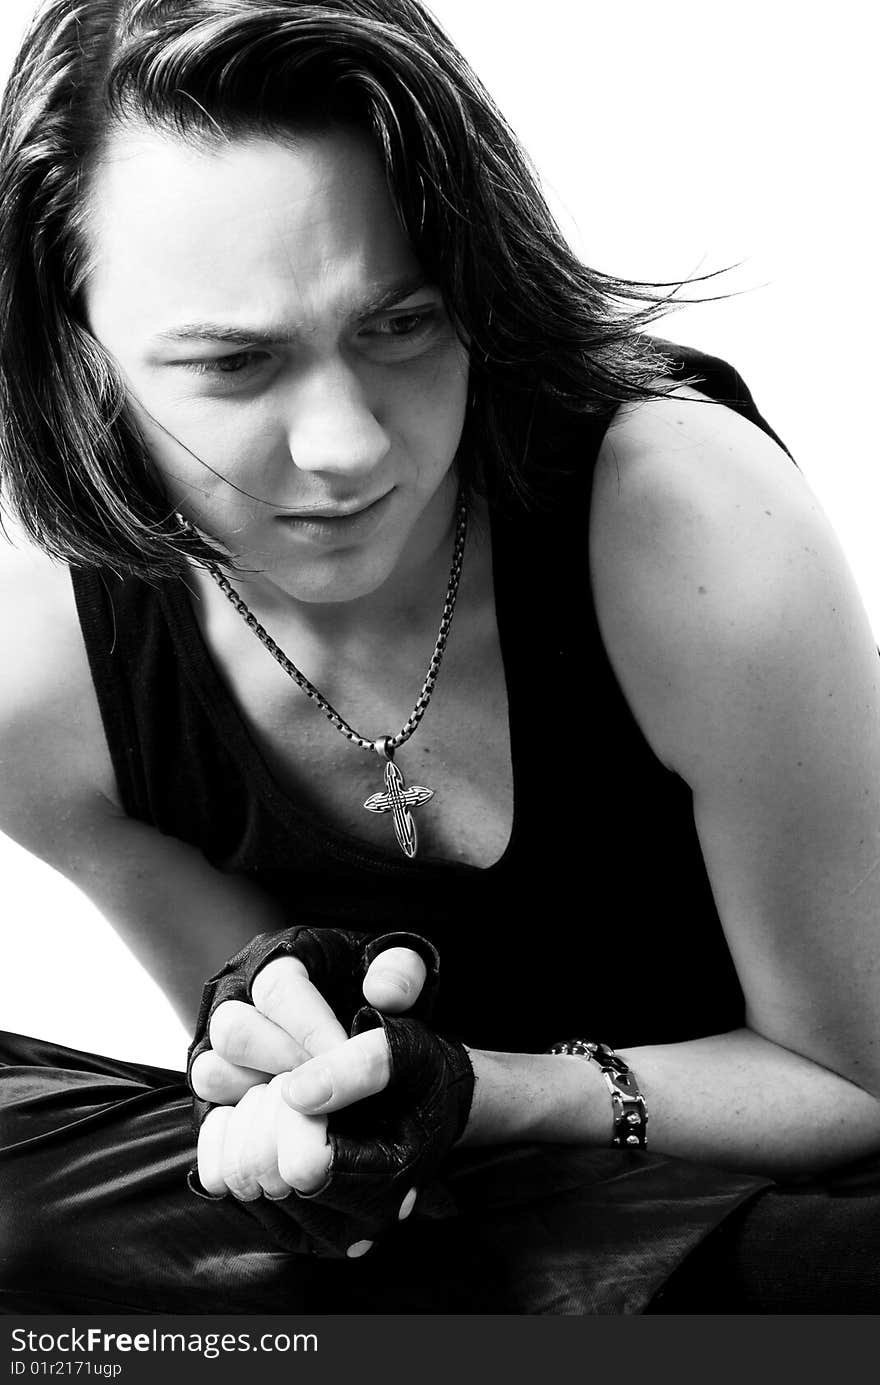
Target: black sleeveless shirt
point(598, 920)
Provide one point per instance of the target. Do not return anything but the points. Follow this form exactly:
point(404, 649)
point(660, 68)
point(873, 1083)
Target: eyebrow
point(243, 335)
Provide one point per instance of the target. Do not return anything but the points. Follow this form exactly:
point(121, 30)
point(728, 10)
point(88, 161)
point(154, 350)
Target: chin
point(337, 583)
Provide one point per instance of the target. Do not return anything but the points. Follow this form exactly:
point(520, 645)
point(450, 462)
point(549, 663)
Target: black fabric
point(96, 1215)
point(813, 1248)
point(591, 800)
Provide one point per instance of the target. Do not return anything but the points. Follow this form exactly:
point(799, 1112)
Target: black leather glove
point(382, 1146)
point(385, 1145)
point(336, 960)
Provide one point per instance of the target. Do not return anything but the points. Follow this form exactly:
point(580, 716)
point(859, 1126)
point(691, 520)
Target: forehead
point(252, 227)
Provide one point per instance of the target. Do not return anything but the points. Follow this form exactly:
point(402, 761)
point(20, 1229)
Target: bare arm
point(741, 644)
point(735, 1100)
point(180, 916)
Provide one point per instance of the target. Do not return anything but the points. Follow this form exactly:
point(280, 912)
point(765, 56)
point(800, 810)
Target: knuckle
point(320, 1036)
point(262, 1163)
point(361, 1066)
point(213, 1128)
point(304, 1168)
point(243, 1151)
point(275, 1093)
point(275, 1190)
point(399, 974)
point(265, 1171)
point(242, 1186)
point(234, 1032)
point(304, 1175)
point(399, 957)
point(371, 1062)
point(273, 981)
point(225, 1024)
point(205, 1077)
point(210, 1150)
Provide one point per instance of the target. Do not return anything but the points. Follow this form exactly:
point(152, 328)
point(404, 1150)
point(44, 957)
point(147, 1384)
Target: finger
point(303, 1149)
point(248, 1039)
point(213, 1079)
point(356, 1069)
point(210, 1150)
point(250, 1146)
point(283, 993)
point(394, 980)
point(259, 1151)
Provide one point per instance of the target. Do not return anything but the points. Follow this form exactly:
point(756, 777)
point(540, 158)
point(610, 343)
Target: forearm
point(180, 916)
point(734, 1099)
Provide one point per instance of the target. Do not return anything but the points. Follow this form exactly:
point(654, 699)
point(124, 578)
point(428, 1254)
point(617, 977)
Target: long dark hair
point(550, 340)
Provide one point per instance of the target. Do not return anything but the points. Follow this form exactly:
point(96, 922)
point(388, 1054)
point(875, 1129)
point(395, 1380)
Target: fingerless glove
point(396, 1140)
point(336, 960)
point(381, 1147)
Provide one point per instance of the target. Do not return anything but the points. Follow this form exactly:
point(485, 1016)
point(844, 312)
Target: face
point(299, 385)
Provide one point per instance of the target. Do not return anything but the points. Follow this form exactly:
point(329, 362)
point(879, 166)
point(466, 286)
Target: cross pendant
point(397, 800)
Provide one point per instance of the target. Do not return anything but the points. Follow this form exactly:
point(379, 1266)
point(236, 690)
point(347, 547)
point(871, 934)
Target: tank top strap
point(120, 626)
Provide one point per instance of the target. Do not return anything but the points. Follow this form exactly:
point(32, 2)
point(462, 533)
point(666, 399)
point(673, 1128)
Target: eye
point(404, 325)
point(403, 334)
point(237, 363)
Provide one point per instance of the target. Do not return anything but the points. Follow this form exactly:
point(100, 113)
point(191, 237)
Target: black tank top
point(597, 921)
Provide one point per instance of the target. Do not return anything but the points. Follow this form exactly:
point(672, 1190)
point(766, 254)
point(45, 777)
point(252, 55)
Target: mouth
point(349, 522)
point(345, 510)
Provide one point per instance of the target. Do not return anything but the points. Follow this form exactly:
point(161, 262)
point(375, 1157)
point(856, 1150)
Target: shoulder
point(52, 744)
point(676, 475)
point(714, 570)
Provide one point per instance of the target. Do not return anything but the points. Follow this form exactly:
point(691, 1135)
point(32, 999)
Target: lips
point(343, 524)
point(345, 510)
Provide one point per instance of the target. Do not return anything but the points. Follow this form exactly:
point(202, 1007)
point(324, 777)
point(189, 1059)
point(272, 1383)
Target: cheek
point(432, 402)
point(202, 449)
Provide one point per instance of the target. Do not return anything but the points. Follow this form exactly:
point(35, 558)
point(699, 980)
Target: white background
point(672, 140)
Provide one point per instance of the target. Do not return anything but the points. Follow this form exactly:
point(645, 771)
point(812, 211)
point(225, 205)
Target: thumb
point(394, 980)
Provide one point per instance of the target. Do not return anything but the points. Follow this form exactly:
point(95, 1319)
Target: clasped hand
point(276, 1065)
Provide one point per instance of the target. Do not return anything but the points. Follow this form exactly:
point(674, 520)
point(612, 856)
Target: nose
point(332, 425)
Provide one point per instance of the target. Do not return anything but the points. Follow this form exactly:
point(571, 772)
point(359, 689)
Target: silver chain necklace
point(397, 797)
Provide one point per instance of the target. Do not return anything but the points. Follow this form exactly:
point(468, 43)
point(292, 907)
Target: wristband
point(627, 1103)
